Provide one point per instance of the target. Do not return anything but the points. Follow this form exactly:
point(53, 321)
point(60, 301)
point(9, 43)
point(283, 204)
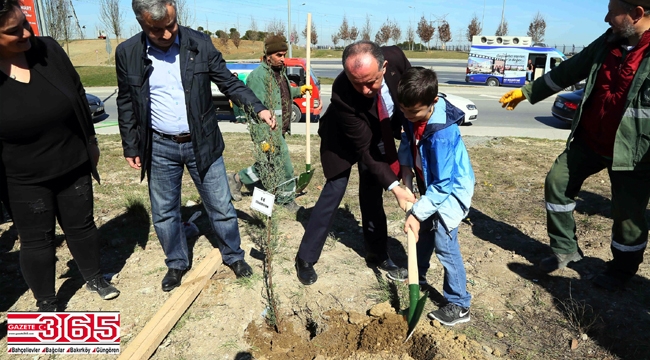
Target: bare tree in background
point(236, 38)
point(395, 32)
point(354, 33)
point(183, 13)
point(474, 28)
point(295, 37)
point(444, 34)
point(253, 33)
point(335, 39)
point(410, 36)
point(134, 29)
point(314, 34)
point(384, 33)
point(275, 27)
point(537, 28)
point(344, 30)
point(425, 31)
point(367, 29)
point(56, 13)
point(111, 17)
point(502, 30)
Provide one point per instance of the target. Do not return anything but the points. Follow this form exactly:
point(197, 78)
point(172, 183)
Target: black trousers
point(35, 207)
point(373, 217)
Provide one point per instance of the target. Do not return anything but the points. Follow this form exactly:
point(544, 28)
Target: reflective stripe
point(628, 248)
point(637, 113)
point(550, 83)
point(560, 208)
point(251, 174)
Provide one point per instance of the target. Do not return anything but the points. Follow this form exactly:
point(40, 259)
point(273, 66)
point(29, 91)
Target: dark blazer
point(200, 64)
point(48, 58)
point(350, 129)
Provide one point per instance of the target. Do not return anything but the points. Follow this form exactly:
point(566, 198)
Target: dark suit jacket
point(48, 58)
point(200, 64)
point(350, 129)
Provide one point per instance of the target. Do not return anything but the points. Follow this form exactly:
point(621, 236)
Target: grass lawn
point(97, 75)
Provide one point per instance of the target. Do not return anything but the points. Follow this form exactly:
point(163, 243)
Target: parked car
point(466, 105)
point(96, 105)
point(565, 105)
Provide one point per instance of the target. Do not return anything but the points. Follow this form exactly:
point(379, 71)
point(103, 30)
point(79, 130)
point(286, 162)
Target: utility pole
point(289, 29)
point(40, 18)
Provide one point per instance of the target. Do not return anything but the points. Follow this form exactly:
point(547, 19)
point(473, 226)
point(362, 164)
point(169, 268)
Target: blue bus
point(509, 61)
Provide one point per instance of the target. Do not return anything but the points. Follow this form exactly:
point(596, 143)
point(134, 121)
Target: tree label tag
point(262, 201)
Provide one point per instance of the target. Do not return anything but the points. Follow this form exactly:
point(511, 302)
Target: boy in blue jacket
point(433, 148)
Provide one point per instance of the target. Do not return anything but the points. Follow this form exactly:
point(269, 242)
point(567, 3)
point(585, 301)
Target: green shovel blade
point(304, 179)
point(416, 306)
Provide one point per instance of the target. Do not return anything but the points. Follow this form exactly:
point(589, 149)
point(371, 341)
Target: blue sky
point(567, 22)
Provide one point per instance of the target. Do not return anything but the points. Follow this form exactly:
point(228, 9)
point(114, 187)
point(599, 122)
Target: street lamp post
point(289, 34)
point(289, 29)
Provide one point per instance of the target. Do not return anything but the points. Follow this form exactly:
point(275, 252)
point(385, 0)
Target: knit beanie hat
point(275, 43)
point(643, 3)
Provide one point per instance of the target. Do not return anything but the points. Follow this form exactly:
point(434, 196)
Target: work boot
point(558, 261)
point(292, 206)
point(235, 186)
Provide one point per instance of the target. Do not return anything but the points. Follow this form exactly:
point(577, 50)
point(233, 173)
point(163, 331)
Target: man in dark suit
point(359, 127)
point(167, 122)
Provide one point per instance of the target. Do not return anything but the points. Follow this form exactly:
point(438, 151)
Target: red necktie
point(390, 154)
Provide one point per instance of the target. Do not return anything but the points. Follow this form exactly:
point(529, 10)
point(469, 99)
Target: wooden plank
point(153, 333)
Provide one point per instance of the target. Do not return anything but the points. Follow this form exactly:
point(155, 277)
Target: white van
point(505, 60)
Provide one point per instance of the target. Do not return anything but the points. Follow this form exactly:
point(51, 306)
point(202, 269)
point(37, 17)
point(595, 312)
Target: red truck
point(296, 72)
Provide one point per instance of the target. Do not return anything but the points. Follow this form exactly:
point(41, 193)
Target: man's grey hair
point(157, 8)
point(363, 47)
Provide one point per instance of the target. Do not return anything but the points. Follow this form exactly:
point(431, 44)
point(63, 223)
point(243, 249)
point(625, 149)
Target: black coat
point(200, 64)
point(350, 129)
point(48, 58)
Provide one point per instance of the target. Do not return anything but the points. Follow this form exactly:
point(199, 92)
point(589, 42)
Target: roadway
point(527, 120)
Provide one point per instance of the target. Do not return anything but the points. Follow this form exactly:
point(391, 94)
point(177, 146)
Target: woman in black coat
point(48, 153)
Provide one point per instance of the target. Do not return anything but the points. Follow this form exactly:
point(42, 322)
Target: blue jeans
point(434, 236)
point(168, 160)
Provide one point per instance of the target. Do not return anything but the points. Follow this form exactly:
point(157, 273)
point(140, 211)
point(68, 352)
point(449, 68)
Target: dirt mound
point(350, 335)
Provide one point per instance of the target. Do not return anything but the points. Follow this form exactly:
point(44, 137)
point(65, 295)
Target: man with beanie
point(270, 84)
point(611, 130)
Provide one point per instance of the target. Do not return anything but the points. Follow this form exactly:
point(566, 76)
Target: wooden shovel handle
point(412, 253)
point(308, 94)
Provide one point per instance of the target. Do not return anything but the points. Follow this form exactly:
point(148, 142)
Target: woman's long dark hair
point(7, 7)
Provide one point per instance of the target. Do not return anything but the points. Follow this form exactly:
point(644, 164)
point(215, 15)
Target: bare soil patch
point(517, 312)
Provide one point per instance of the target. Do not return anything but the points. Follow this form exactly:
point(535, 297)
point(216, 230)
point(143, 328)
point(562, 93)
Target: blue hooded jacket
point(448, 173)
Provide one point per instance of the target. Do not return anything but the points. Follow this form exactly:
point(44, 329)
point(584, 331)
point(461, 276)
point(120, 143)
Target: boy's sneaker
point(450, 314)
point(102, 287)
point(558, 261)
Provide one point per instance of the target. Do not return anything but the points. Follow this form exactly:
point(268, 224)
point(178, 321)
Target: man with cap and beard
point(270, 84)
point(610, 130)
